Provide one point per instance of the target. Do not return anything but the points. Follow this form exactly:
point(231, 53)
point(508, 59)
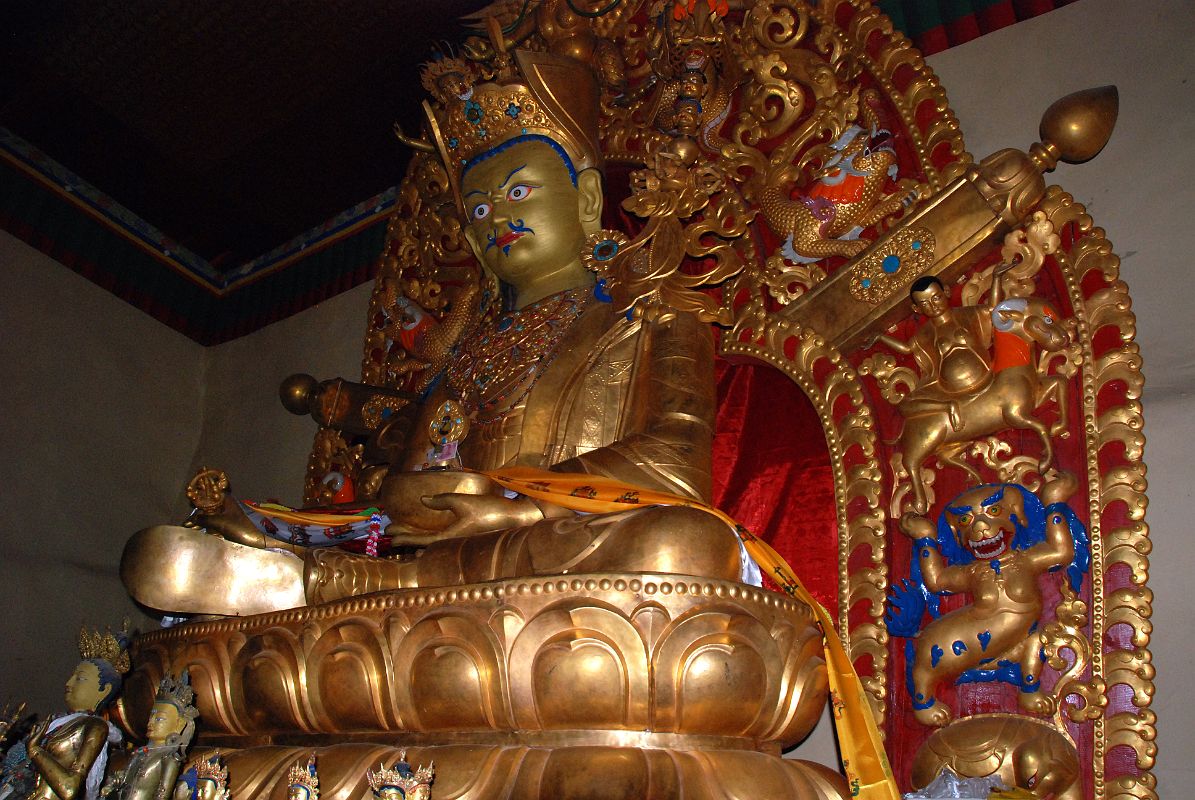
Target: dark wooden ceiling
point(232, 126)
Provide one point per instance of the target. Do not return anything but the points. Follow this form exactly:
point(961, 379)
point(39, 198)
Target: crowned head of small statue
point(302, 782)
point(98, 677)
point(172, 718)
point(211, 779)
point(400, 782)
point(523, 161)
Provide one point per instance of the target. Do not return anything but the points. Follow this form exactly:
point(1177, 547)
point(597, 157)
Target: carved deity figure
point(993, 543)
point(206, 780)
point(555, 379)
point(400, 782)
point(153, 768)
point(65, 757)
point(303, 781)
point(967, 388)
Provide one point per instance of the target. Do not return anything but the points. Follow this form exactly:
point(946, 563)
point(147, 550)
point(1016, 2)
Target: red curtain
point(772, 471)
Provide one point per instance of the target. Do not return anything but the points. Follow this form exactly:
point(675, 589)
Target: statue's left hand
point(473, 514)
point(36, 735)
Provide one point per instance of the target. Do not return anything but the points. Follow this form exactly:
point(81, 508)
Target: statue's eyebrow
point(996, 497)
point(508, 177)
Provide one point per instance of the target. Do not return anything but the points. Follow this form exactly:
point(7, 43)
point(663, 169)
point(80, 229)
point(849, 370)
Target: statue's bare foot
point(935, 716)
point(1037, 702)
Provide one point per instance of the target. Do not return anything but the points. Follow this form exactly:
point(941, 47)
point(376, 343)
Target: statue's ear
point(590, 200)
point(473, 237)
point(1016, 501)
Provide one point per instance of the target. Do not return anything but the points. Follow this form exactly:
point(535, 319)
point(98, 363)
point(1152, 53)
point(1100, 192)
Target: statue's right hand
point(404, 495)
point(472, 514)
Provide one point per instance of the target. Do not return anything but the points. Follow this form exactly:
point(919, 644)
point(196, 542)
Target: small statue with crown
point(153, 768)
point(400, 782)
point(302, 782)
point(64, 757)
point(210, 778)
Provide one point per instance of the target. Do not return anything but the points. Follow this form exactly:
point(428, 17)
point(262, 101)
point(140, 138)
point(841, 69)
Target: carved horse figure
point(1006, 400)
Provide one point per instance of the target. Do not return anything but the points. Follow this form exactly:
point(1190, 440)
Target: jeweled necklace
point(497, 368)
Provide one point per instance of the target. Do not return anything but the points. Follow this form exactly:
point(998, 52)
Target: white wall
point(1141, 190)
point(99, 418)
point(246, 431)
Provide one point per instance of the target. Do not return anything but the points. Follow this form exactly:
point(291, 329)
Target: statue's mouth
point(991, 547)
point(507, 239)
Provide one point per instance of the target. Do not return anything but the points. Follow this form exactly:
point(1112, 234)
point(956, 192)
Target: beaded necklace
point(498, 367)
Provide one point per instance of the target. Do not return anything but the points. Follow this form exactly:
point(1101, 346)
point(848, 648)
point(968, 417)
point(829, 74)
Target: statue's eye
point(480, 211)
point(993, 511)
point(519, 192)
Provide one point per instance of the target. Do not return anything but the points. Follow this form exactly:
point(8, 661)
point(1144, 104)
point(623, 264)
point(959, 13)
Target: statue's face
point(390, 793)
point(523, 213)
point(931, 301)
point(83, 689)
point(164, 720)
point(981, 519)
point(207, 789)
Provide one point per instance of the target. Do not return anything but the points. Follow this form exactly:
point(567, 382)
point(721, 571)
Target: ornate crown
point(110, 647)
point(305, 776)
point(549, 95)
point(439, 67)
point(177, 692)
point(401, 776)
point(213, 769)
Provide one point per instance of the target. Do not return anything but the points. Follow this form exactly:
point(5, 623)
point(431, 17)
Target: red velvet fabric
point(772, 472)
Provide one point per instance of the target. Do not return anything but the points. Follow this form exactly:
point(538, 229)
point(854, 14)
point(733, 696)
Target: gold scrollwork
point(1116, 493)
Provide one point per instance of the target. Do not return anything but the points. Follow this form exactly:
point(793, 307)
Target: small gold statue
point(400, 782)
point(210, 779)
point(68, 754)
point(153, 769)
point(303, 781)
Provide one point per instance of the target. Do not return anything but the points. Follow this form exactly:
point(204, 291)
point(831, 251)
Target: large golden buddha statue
point(535, 641)
point(556, 379)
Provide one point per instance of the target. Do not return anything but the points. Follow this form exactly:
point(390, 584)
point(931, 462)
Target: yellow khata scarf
point(863, 756)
